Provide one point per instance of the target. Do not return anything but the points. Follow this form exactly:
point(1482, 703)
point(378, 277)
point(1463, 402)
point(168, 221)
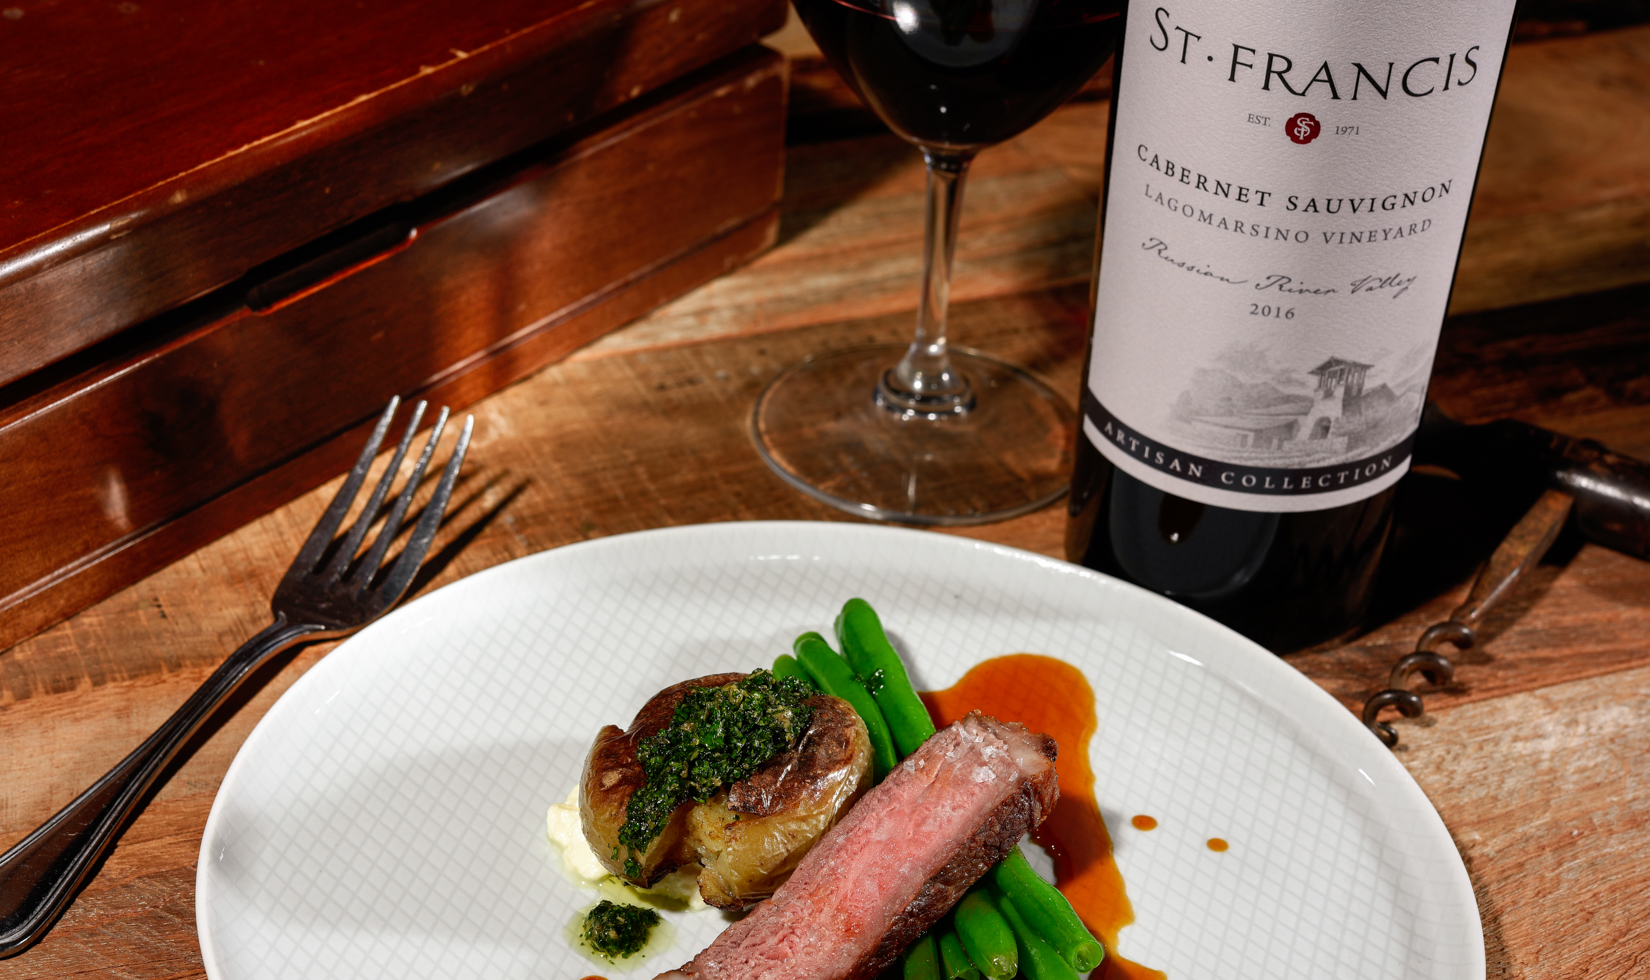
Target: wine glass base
point(819, 426)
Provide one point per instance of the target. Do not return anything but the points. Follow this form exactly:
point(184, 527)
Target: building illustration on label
point(1244, 410)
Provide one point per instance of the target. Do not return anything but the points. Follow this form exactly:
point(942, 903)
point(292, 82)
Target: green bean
point(1047, 912)
point(1038, 960)
point(954, 961)
point(922, 961)
point(785, 665)
point(878, 665)
point(833, 676)
point(986, 936)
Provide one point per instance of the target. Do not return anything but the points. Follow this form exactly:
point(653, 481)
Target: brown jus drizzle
point(1051, 696)
point(1143, 822)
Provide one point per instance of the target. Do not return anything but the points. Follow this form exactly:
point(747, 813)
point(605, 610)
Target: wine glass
point(933, 434)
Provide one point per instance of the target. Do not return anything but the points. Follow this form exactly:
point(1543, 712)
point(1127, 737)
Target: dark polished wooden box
point(229, 232)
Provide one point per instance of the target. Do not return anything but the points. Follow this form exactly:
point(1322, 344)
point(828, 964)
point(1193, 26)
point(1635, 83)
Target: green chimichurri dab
point(615, 930)
point(716, 736)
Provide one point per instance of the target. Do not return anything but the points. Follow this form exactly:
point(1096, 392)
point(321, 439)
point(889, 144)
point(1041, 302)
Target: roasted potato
point(749, 836)
point(612, 773)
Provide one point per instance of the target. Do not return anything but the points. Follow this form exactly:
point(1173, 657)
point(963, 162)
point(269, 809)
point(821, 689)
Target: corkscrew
point(1605, 493)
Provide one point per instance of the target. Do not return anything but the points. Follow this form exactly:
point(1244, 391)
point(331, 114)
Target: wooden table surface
point(1538, 757)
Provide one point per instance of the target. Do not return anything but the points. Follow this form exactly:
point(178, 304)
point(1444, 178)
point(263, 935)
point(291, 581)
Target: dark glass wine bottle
point(1288, 581)
point(1287, 184)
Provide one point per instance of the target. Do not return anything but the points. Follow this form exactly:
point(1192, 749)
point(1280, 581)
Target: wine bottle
point(1287, 185)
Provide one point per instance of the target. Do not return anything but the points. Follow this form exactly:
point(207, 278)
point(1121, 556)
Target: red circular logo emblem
point(1303, 127)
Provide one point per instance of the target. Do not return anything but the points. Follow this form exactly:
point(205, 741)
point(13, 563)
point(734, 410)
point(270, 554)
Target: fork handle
point(41, 874)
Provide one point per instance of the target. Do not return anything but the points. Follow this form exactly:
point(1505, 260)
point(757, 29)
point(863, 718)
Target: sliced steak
point(897, 862)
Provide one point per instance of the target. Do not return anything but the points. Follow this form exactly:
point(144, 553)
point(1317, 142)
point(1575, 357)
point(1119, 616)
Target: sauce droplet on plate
point(1051, 696)
point(1143, 822)
point(1216, 844)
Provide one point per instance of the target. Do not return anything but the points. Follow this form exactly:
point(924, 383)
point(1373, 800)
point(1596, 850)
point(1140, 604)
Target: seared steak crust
point(1013, 819)
point(897, 862)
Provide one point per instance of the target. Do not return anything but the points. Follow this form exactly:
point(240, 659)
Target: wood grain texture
point(1584, 618)
point(1563, 200)
point(852, 244)
point(117, 466)
point(158, 151)
point(1579, 367)
point(545, 471)
point(1548, 799)
point(1544, 737)
point(686, 458)
point(1574, 366)
point(1563, 18)
point(75, 698)
point(1562, 206)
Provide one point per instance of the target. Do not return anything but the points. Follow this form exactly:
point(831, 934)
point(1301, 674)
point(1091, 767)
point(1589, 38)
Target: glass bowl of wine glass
point(928, 433)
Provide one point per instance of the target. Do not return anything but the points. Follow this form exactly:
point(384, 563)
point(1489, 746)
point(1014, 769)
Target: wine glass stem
point(924, 381)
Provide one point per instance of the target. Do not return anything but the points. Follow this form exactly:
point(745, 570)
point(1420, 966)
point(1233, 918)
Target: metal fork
point(325, 593)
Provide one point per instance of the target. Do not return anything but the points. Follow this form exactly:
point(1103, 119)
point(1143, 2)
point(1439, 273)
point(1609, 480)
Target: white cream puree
point(566, 832)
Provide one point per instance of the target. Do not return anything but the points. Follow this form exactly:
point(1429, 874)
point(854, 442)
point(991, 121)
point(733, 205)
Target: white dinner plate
point(386, 818)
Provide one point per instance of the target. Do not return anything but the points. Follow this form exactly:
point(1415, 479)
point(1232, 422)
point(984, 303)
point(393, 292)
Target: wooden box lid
point(158, 149)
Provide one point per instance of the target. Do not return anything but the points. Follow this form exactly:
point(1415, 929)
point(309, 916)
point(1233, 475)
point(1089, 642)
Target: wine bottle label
point(1289, 184)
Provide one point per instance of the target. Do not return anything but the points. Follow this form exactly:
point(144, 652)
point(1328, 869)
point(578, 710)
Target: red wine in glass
point(937, 436)
point(966, 73)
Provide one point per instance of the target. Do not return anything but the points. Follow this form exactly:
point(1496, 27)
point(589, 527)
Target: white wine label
point(1288, 188)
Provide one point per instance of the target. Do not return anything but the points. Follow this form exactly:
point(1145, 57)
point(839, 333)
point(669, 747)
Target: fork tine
point(346, 551)
point(392, 524)
point(316, 545)
point(412, 556)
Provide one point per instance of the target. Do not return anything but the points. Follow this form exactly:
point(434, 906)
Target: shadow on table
point(819, 181)
point(1444, 529)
